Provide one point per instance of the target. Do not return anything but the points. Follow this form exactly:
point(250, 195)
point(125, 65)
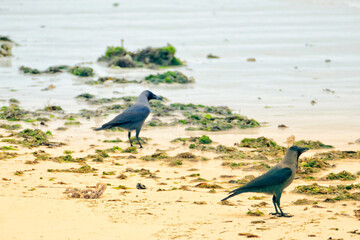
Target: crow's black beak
point(158, 98)
point(302, 150)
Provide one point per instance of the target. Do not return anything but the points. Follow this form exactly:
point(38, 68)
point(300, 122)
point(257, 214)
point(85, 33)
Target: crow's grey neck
point(291, 159)
point(143, 99)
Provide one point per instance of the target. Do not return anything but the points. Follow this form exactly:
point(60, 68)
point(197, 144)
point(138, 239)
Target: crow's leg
point(129, 135)
point(275, 206)
point(137, 137)
point(281, 212)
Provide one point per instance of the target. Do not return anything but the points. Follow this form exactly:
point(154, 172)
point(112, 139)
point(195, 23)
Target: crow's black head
point(299, 150)
point(150, 95)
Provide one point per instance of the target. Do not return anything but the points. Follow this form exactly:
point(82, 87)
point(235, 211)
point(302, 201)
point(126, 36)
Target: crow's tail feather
point(234, 193)
point(105, 126)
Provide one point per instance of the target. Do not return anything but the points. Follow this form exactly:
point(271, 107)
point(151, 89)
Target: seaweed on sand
point(312, 144)
point(87, 193)
point(336, 155)
point(343, 176)
point(311, 165)
point(208, 185)
point(12, 113)
point(174, 160)
point(341, 192)
point(10, 127)
point(263, 145)
point(83, 169)
point(102, 80)
point(234, 165)
point(33, 138)
point(7, 155)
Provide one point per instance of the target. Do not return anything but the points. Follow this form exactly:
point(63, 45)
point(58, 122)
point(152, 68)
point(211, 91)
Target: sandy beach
point(171, 207)
point(293, 63)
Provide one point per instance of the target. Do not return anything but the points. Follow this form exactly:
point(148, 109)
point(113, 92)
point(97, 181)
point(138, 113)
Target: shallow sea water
point(289, 39)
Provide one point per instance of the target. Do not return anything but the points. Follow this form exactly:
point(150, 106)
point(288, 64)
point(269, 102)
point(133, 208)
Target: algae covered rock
point(119, 56)
point(82, 71)
point(169, 77)
point(6, 45)
point(29, 70)
point(163, 56)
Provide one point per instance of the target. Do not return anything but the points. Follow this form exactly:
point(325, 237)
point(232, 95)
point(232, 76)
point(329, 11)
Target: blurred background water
point(290, 40)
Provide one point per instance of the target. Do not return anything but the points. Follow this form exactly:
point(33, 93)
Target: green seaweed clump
point(102, 80)
point(159, 155)
point(163, 56)
point(143, 140)
point(83, 169)
point(314, 163)
point(52, 69)
point(255, 213)
point(312, 144)
point(115, 52)
point(303, 201)
point(343, 176)
point(85, 96)
point(82, 71)
point(5, 39)
point(52, 108)
point(56, 69)
point(234, 164)
point(7, 155)
point(208, 185)
point(12, 113)
point(10, 127)
point(143, 172)
point(29, 70)
point(212, 56)
point(263, 145)
point(335, 155)
point(130, 150)
point(260, 142)
point(65, 158)
point(34, 138)
point(175, 162)
point(207, 122)
point(225, 149)
point(311, 165)
point(205, 139)
point(169, 77)
point(316, 189)
point(341, 192)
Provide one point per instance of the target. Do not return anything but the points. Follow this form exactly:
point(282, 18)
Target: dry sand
point(34, 206)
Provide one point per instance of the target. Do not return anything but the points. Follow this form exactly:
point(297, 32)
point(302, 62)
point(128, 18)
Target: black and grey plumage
point(275, 180)
point(134, 117)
